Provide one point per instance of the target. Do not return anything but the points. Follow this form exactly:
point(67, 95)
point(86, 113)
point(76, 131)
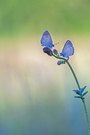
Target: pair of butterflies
point(67, 50)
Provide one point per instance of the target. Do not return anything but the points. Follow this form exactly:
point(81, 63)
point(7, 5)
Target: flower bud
point(48, 51)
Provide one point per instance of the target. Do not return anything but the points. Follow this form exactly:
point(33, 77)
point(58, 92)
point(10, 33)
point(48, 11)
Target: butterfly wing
point(68, 49)
point(46, 40)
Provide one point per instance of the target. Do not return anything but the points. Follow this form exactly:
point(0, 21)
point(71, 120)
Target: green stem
point(83, 100)
point(86, 113)
point(77, 82)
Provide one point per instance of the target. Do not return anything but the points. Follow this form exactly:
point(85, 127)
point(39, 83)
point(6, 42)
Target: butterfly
point(46, 40)
point(67, 50)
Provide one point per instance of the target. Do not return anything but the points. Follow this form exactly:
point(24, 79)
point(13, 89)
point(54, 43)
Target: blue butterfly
point(46, 40)
point(67, 50)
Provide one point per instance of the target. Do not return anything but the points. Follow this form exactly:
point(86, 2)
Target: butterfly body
point(46, 40)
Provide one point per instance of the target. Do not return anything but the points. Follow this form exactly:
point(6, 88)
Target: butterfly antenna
point(56, 43)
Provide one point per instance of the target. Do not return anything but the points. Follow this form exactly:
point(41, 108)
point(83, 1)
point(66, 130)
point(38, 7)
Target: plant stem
point(74, 74)
point(83, 100)
point(86, 113)
point(77, 82)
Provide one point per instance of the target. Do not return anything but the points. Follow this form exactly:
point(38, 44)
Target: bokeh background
point(36, 96)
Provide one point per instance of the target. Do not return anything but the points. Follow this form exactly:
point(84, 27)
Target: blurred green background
point(22, 17)
point(36, 96)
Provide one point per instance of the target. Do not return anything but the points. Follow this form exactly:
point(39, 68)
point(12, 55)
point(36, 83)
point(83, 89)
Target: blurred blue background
point(36, 96)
